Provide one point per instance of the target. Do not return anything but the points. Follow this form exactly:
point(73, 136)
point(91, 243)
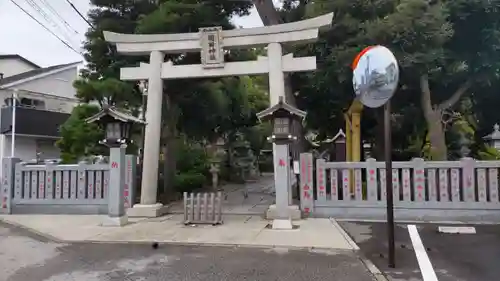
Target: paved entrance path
point(24, 257)
point(253, 198)
point(453, 257)
point(237, 230)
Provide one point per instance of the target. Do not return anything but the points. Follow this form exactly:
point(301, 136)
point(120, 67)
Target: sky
point(20, 34)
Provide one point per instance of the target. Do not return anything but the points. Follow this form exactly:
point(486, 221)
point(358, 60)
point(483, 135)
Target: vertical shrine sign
point(130, 177)
point(7, 184)
point(212, 53)
point(306, 183)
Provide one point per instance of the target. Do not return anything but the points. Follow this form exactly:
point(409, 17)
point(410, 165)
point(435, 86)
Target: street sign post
point(375, 80)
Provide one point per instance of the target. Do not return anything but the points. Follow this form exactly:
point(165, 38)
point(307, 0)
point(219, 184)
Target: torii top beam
point(304, 31)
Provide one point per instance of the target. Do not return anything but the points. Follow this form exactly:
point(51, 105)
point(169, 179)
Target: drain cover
point(270, 226)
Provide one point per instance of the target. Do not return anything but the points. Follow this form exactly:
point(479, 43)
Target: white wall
point(26, 148)
point(11, 66)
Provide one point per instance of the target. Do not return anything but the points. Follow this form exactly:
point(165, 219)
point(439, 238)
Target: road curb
point(379, 276)
point(169, 243)
point(34, 231)
point(346, 236)
point(370, 266)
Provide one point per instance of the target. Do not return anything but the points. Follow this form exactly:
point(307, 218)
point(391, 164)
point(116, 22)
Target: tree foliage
point(78, 138)
point(446, 51)
point(201, 109)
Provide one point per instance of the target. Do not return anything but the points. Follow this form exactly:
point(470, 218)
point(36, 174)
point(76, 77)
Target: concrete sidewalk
point(250, 231)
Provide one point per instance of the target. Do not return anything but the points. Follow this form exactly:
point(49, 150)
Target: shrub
point(489, 153)
point(192, 159)
point(188, 181)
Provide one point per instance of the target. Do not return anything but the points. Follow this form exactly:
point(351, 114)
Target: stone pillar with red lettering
point(7, 186)
point(281, 179)
point(116, 198)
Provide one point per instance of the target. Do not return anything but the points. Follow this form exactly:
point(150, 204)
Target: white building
point(45, 98)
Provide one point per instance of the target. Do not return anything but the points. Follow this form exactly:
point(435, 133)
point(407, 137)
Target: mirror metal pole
point(388, 182)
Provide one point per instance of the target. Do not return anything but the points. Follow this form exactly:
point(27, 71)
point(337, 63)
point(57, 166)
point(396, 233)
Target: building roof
point(15, 56)
point(34, 73)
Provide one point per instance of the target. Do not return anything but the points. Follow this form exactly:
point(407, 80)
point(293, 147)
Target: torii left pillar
point(149, 207)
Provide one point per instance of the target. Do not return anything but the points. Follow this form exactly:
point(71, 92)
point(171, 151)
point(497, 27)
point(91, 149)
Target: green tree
point(100, 79)
point(191, 107)
point(445, 49)
point(78, 138)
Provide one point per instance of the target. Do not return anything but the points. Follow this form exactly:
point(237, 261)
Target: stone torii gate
point(211, 43)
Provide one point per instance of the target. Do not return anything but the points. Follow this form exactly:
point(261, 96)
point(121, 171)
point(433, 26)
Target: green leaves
point(78, 138)
point(451, 41)
point(109, 91)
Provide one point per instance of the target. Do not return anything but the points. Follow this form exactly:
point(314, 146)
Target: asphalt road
point(454, 257)
point(26, 257)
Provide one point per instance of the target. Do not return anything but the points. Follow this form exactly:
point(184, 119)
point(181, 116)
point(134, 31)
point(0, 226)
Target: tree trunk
point(433, 116)
point(439, 151)
point(269, 16)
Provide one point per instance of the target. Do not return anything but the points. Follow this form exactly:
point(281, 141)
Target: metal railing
point(203, 208)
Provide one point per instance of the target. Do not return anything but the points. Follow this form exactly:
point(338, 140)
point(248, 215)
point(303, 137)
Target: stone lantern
point(282, 116)
point(493, 139)
point(118, 127)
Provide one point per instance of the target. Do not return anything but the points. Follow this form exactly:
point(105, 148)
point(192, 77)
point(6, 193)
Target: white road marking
point(457, 230)
point(424, 262)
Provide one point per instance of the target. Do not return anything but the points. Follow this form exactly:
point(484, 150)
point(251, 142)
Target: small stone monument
point(214, 170)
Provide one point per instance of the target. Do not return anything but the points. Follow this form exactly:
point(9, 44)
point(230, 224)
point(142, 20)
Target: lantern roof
point(495, 135)
point(281, 107)
point(112, 112)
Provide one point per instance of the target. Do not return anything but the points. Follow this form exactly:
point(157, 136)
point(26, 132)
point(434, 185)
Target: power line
point(80, 14)
point(47, 18)
point(41, 24)
point(54, 11)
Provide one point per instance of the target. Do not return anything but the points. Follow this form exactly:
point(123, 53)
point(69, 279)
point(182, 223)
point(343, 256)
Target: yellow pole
point(348, 138)
point(353, 137)
point(348, 148)
point(356, 137)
